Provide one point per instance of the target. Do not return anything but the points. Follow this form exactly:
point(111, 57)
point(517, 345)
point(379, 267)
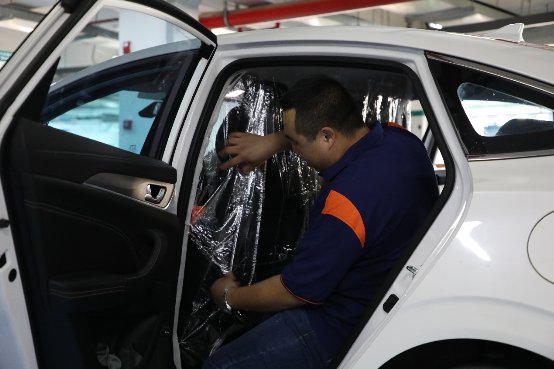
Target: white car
point(113, 212)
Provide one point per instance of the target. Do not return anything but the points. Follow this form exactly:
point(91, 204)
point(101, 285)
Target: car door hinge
point(4, 223)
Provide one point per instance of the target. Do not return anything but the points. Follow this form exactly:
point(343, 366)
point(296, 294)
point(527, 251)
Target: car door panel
point(89, 249)
point(65, 208)
point(95, 240)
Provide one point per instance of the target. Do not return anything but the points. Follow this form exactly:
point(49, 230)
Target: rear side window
point(495, 112)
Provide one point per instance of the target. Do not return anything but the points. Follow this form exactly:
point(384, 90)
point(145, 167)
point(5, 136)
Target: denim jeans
point(284, 341)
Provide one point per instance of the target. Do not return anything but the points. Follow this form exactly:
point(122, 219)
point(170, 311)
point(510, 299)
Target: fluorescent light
point(222, 31)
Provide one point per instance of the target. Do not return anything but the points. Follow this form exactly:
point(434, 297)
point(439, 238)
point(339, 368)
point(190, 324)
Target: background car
point(103, 168)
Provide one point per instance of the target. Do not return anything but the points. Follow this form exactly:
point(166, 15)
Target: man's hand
point(227, 281)
point(268, 295)
point(249, 151)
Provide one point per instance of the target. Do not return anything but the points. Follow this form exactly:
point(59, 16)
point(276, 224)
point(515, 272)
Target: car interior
point(249, 223)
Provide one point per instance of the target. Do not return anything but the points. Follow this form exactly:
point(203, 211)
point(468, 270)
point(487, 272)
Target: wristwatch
point(225, 306)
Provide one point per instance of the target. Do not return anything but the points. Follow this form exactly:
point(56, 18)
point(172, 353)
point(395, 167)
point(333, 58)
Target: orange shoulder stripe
point(394, 124)
point(340, 207)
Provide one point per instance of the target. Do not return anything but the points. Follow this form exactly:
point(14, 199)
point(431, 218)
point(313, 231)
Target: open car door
point(89, 232)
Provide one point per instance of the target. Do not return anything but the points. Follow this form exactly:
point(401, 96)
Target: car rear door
point(90, 239)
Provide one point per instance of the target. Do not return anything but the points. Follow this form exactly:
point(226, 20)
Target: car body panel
point(491, 283)
point(16, 338)
point(536, 60)
point(476, 288)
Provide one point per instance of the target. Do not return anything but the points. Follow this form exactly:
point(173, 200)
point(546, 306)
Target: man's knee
point(219, 360)
point(210, 364)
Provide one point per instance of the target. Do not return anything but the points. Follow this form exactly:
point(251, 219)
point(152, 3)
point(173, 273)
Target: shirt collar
point(363, 144)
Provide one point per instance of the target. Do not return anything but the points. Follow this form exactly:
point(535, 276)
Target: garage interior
point(19, 17)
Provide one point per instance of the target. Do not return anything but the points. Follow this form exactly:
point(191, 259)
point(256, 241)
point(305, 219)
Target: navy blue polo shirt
point(372, 202)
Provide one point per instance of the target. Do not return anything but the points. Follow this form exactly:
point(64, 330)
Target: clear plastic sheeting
point(238, 222)
point(388, 100)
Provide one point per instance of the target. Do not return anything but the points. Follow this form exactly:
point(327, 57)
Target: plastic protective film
point(388, 100)
point(245, 223)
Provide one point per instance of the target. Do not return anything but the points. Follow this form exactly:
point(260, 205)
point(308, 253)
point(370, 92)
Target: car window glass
point(494, 113)
point(113, 80)
point(14, 30)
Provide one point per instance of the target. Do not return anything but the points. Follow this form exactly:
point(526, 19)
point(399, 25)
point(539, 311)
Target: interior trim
point(133, 187)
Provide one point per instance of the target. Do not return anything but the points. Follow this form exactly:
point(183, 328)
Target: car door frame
point(448, 213)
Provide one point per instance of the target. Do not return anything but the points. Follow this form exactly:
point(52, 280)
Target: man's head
point(321, 101)
point(321, 120)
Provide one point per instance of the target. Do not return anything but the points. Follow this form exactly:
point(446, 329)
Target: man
point(379, 186)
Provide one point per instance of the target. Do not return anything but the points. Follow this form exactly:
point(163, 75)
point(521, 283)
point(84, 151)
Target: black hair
point(321, 101)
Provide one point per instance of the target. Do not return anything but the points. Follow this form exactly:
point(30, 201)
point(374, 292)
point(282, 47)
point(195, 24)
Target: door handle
point(155, 193)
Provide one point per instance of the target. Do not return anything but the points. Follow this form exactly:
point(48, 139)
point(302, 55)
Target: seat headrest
point(521, 126)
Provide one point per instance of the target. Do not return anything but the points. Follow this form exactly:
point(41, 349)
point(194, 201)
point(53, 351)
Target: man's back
point(373, 201)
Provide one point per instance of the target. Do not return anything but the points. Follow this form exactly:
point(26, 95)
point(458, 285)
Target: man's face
point(314, 152)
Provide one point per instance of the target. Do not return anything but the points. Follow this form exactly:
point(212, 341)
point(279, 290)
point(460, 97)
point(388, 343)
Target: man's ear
point(329, 135)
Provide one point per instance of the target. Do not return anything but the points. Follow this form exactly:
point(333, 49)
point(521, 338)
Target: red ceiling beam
point(282, 11)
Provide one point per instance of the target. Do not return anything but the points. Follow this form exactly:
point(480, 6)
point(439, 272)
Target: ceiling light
point(222, 31)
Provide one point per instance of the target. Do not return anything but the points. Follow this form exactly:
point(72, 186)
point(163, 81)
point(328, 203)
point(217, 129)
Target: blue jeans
point(286, 340)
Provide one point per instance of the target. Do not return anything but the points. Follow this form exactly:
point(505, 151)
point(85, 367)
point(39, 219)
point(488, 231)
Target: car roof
point(534, 61)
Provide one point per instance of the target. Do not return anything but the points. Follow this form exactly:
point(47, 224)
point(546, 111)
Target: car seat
point(522, 126)
point(239, 223)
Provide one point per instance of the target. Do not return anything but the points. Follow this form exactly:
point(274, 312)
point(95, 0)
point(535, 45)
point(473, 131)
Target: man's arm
point(250, 151)
point(268, 295)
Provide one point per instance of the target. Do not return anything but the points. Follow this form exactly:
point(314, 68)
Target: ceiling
point(467, 16)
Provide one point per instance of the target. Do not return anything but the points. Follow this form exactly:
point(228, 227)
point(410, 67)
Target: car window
point(495, 112)
point(114, 91)
point(99, 119)
point(13, 30)
point(4, 56)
